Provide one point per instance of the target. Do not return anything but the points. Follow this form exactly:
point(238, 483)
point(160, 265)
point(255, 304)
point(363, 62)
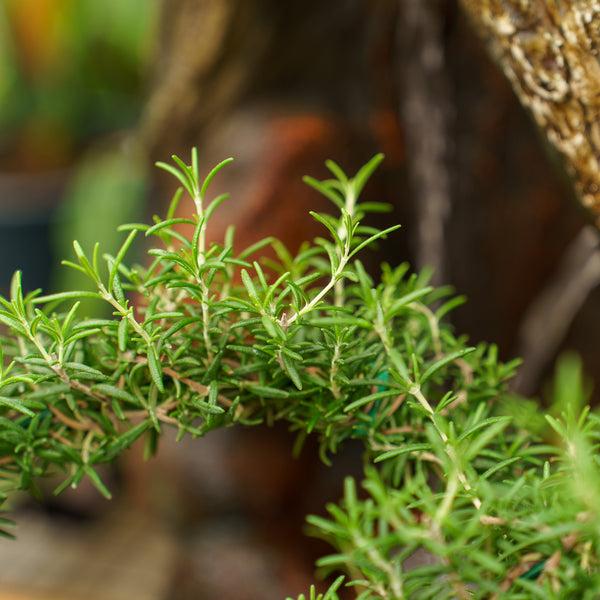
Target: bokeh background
point(72, 84)
point(93, 93)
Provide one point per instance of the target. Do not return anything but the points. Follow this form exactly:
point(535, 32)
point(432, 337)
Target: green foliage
point(330, 594)
point(205, 338)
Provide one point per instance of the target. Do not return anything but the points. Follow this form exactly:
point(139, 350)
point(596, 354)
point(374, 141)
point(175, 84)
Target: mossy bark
point(549, 52)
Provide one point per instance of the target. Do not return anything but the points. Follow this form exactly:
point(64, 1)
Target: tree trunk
point(549, 52)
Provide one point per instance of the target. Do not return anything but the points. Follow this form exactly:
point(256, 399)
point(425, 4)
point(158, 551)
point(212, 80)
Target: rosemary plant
point(206, 337)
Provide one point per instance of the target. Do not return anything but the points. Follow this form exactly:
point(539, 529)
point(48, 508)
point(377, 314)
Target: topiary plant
point(205, 337)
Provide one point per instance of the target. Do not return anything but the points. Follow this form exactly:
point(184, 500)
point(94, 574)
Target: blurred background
point(72, 85)
point(92, 94)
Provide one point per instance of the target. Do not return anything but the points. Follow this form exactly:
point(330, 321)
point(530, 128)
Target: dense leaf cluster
point(207, 337)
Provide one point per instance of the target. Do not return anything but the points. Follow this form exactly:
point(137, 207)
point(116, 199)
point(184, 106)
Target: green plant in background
point(70, 70)
point(72, 73)
point(109, 187)
point(458, 502)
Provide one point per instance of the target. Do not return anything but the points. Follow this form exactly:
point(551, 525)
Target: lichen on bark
point(549, 51)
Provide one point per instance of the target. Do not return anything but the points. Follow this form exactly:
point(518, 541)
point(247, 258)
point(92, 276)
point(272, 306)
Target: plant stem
point(384, 564)
point(125, 313)
point(315, 301)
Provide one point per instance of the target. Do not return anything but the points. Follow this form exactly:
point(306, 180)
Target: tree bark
point(549, 52)
point(426, 111)
point(218, 55)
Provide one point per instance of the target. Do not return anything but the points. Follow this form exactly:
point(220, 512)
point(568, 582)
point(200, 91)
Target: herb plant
point(206, 337)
